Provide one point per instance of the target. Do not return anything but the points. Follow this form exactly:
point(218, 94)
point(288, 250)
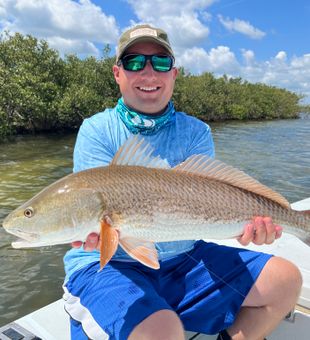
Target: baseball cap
point(139, 33)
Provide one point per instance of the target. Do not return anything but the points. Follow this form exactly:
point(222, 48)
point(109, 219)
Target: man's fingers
point(279, 231)
point(76, 244)
point(260, 231)
point(248, 235)
point(270, 230)
point(91, 242)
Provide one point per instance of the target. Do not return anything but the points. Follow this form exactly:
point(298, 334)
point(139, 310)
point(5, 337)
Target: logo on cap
point(142, 32)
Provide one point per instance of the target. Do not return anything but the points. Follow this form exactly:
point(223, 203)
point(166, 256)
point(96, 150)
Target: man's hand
point(260, 231)
point(91, 243)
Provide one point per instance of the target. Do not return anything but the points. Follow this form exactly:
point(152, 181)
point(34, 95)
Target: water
point(277, 153)
point(29, 278)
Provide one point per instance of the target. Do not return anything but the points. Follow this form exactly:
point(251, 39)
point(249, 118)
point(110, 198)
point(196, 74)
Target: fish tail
point(307, 214)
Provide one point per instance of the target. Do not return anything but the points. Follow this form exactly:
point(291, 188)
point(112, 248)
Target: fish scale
point(181, 196)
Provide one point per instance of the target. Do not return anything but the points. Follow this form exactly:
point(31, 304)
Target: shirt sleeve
point(91, 149)
point(202, 141)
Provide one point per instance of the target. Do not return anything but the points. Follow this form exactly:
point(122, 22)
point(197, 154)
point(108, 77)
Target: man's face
point(146, 91)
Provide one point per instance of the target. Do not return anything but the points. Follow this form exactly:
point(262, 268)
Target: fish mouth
point(20, 243)
point(25, 236)
point(25, 239)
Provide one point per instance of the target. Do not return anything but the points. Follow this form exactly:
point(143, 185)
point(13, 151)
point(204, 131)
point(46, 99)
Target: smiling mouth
point(148, 88)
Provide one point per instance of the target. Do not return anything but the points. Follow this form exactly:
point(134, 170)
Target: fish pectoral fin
point(109, 242)
point(141, 250)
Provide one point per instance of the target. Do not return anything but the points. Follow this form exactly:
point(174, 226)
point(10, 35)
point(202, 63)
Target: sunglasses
point(137, 62)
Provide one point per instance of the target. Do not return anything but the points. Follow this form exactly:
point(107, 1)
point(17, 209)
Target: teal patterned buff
point(143, 124)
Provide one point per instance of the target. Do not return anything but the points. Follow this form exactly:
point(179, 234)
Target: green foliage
point(213, 99)
point(90, 88)
point(30, 78)
point(39, 91)
point(5, 128)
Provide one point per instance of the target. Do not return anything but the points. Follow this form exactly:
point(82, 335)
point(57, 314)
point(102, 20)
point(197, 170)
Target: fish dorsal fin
point(136, 151)
point(214, 169)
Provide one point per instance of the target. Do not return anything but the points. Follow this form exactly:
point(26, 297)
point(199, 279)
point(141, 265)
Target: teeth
point(148, 88)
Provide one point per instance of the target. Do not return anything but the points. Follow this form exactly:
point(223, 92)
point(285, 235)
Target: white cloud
point(248, 56)
point(2, 9)
point(150, 9)
point(182, 19)
point(241, 26)
point(281, 56)
point(185, 30)
point(219, 60)
point(83, 48)
point(65, 21)
point(289, 73)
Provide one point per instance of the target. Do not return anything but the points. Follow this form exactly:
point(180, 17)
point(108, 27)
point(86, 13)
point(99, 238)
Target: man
point(200, 286)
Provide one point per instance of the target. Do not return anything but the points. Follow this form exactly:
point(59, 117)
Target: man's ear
point(116, 73)
point(175, 73)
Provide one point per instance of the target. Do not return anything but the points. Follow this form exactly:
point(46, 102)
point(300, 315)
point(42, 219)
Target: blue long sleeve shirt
point(99, 138)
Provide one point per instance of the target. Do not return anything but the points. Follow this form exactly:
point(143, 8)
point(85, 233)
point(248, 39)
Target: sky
point(264, 41)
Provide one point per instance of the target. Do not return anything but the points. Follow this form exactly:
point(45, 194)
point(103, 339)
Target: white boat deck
point(52, 322)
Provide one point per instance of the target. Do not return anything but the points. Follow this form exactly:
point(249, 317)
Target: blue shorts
point(205, 287)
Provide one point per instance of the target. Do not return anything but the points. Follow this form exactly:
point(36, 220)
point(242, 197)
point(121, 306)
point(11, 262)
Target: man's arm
point(91, 148)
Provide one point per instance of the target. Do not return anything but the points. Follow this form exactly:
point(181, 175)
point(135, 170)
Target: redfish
point(139, 199)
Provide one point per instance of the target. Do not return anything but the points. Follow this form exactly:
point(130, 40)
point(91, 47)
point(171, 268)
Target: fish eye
point(28, 212)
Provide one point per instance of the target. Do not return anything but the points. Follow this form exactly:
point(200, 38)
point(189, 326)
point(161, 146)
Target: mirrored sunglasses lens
point(162, 63)
point(133, 63)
